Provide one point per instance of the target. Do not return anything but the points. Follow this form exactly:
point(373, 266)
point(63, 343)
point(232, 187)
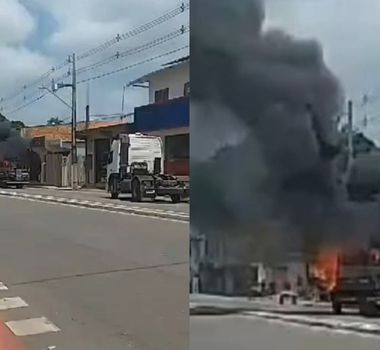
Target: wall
point(173, 78)
point(108, 133)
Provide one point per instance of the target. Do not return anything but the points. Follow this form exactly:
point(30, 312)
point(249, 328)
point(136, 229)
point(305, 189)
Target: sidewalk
point(97, 199)
point(240, 304)
point(103, 196)
point(306, 313)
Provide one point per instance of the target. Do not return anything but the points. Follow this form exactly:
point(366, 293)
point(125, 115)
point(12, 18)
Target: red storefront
point(170, 121)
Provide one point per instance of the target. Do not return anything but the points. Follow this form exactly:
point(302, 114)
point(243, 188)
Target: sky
point(36, 35)
point(348, 31)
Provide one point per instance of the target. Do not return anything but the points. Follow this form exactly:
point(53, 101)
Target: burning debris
point(282, 172)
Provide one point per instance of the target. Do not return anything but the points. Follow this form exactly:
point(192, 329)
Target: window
point(186, 91)
point(161, 95)
point(177, 147)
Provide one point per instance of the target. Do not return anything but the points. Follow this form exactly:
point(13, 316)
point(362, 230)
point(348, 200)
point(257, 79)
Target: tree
point(17, 124)
point(54, 121)
point(14, 124)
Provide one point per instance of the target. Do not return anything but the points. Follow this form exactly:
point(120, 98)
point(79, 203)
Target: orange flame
point(325, 269)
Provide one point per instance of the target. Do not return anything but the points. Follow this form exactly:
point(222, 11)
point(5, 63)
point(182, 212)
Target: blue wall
point(172, 114)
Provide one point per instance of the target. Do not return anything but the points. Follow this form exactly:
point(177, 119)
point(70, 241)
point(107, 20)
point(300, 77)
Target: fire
point(325, 269)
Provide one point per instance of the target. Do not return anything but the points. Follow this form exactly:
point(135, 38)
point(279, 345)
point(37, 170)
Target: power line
point(28, 103)
point(135, 50)
point(104, 75)
point(140, 29)
point(35, 82)
point(168, 15)
point(132, 65)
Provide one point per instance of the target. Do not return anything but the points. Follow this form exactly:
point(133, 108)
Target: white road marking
point(3, 286)
point(31, 326)
point(12, 303)
point(97, 206)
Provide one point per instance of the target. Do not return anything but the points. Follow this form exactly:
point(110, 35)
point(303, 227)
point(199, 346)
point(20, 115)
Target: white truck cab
point(134, 166)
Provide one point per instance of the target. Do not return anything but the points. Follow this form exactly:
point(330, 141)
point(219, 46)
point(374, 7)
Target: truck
point(134, 166)
point(349, 278)
point(13, 174)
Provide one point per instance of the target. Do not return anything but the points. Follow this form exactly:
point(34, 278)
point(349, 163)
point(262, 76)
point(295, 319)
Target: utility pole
point(87, 165)
point(123, 101)
point(350, 143)
point(74, 155)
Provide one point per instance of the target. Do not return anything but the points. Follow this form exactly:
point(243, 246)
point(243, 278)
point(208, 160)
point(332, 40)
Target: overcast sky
point(349, 33)
point(38, 34)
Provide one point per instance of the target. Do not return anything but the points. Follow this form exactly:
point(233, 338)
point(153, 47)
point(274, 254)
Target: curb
point(158, 213)
point(213, 310)
point(357, 327)
point(332, 324)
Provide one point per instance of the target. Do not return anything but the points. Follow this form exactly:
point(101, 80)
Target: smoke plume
point(12, 145)
point(278, 183)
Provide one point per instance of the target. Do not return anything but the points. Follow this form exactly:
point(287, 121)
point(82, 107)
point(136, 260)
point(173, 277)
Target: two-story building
point(167, 115)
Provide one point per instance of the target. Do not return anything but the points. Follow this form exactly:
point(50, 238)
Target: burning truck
point(13, 173)
point(348, 277)
point(14, 151)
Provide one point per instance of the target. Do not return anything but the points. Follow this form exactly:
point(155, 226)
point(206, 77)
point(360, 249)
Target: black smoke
point(280, 181)
point(12, 145)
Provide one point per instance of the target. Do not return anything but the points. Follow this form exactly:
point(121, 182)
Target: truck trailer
point(349, 279)
point(135, 164)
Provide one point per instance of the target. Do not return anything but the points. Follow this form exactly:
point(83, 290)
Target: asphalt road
point(245, 333)
point(107, 281)
point(103, 196)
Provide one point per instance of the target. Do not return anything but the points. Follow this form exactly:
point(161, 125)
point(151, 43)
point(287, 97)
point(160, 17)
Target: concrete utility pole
point(74, 154)
point(350, 142)
point(123, 101)
point(87, 165)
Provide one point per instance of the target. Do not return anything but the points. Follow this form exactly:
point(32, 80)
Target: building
point(53, 146)
point(99, 136)
point(167, 115)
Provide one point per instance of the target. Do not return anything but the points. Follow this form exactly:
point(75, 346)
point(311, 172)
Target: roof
point(63, 132)
point(56, 132)
point(179, 60)
point(166, 66)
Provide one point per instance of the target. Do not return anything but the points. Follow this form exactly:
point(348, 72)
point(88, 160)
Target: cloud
point(16, 23)
point(57, 31)
point(19, 65)
point(95, 21)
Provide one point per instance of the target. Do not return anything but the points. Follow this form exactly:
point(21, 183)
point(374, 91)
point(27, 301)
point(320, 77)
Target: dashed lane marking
point(31, 326)
point(12, 303)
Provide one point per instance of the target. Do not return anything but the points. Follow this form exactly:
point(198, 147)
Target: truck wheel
point(337, 307)
point(136, 191)
point(176, 198)
point(113, 188)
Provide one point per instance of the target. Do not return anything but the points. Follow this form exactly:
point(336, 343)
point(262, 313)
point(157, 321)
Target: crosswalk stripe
point(31, 326)
point(12, 303)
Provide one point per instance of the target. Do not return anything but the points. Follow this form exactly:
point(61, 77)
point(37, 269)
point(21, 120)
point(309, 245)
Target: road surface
point(248, 333)
point(101, 280)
